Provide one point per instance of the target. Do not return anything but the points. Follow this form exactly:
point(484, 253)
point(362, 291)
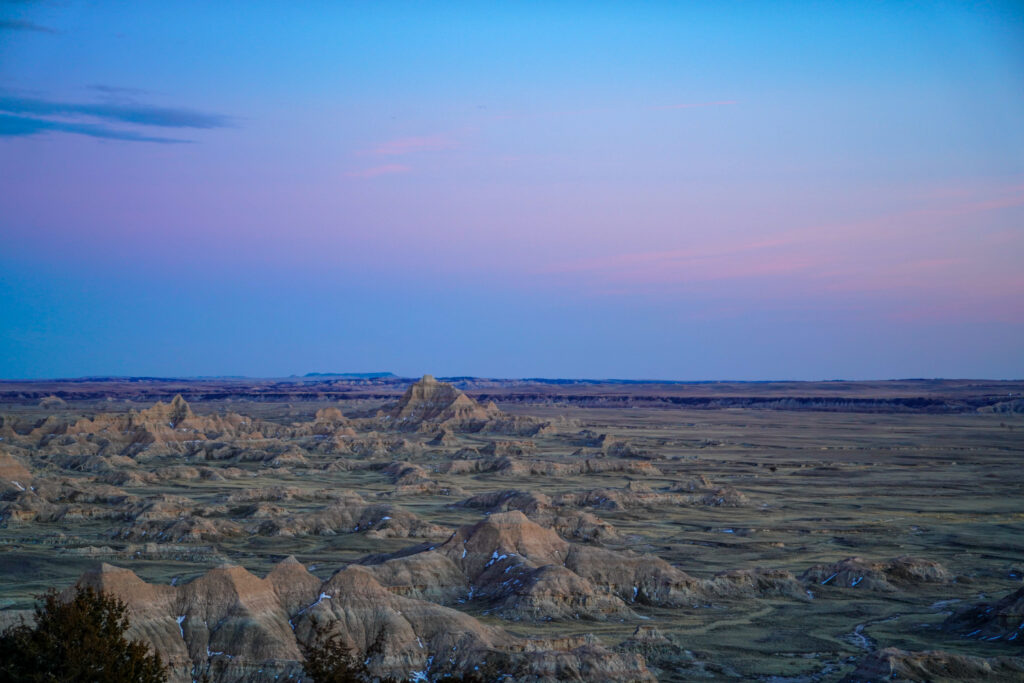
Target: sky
point(669, 190)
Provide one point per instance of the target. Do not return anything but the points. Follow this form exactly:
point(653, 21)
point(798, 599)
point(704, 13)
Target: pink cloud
point(994, 204)
point(933, 259)
point(375, 171)
point(399, 146)
point(709, 262)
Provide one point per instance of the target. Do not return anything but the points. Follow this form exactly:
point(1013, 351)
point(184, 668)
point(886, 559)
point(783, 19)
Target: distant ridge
point(352, 375)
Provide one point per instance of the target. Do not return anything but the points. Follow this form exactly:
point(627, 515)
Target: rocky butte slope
point(432, 406)
point(577, 525)
point(855, 572)
point(934, 666)
point(1001, 619)
point(231, 625)
point(164, 428)
point(519, 570)
point(14, 476)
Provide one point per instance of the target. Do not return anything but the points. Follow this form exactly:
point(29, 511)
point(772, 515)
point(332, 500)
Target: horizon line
point(454, 378)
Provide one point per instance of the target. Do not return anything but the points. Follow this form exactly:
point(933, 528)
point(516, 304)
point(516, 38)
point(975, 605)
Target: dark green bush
point(80, 640)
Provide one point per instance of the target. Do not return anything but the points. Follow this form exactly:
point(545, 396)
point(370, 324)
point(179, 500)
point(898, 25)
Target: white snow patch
point(495, 557)
point(323, 596)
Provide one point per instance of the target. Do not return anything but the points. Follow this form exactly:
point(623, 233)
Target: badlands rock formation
point(14, 476)
point(429, 405)
point(576, 525)
point(935, 666)
point(992, 620)
point(855, 572)
point(518, 570)
point(466, 524)
point(508, 466)
point(347, 512)
point(231, 625)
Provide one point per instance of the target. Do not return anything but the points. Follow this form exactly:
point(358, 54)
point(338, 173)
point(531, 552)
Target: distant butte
point(432, 406)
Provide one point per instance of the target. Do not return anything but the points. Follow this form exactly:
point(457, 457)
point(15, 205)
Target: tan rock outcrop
point(575, 525)
point(508, 466)
point(14, 476)
point(436, 402)
point(348, 512)
point(231, 625)
point(856, 572)
point(413, 480)
point(429, 405)
point(639, 497)
point(497, 563)
point(934, 666)
point(992, 620)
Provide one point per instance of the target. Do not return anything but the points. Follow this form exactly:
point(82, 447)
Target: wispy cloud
point(23, 126)
point(909, 261)
point(24, 116)
point(141, 114)
point(400, 146)
point(22, 25)
point(706, 263)
point(375, 171)
point(116, 90)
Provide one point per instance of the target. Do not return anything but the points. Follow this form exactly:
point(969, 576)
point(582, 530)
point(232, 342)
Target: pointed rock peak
point(290, 573)
point(52, 401)
point(126, 585)
point(228, 580)
point(109, 578)
point(107, 571)
point(512, 532)
point(357, 582)
point(235, 573)
point(510, 518)
point(431, 401)
point(180, 409)
point(173, 413)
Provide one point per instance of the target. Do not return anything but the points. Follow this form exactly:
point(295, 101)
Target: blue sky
point(670, 190)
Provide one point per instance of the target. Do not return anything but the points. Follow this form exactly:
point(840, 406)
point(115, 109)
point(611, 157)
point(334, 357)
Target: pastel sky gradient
point(675, 190)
